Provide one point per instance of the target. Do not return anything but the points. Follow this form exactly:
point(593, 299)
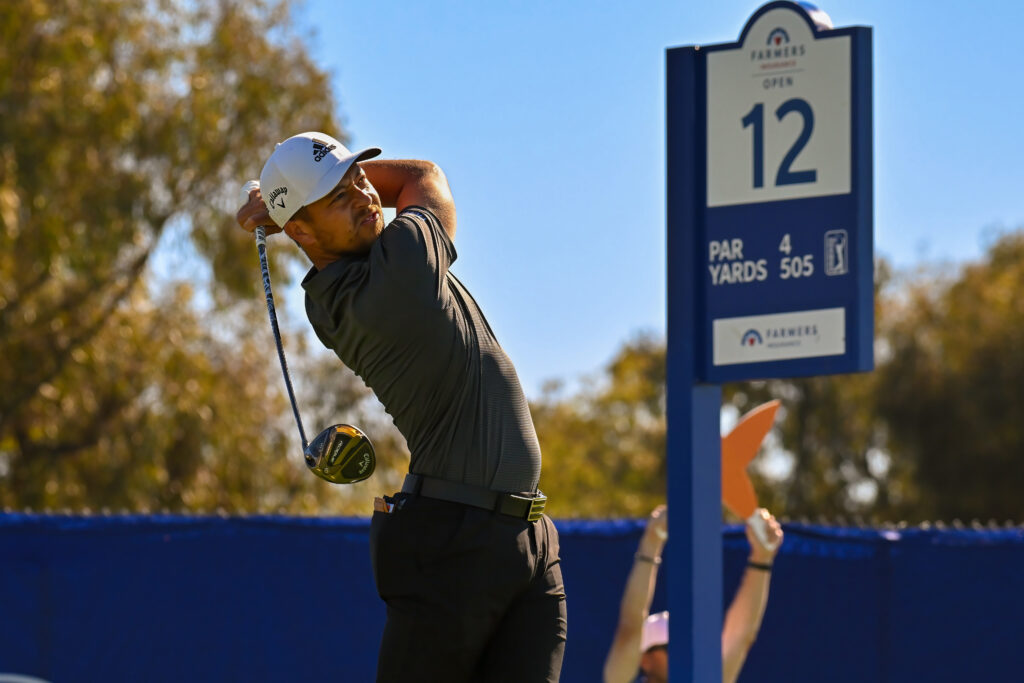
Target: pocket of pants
point(436, 533)
point(396, 541)
point(377, 521)
point(552, 548)
point(389, 549)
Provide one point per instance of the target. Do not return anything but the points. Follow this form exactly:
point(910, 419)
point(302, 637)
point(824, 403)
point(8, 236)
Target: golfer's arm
point(743, 621)
point(402, 183)
point(624, 656)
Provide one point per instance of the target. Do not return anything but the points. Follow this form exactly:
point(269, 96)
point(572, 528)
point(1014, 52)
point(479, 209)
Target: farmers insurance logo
point(779, 336)
point(320, 149)
point(777, 37)
point(788, 335)
point(751, 338)
point(777, 47)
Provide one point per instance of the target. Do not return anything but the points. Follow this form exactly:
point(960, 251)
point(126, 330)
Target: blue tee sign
point(770, 264)
point(781, 221)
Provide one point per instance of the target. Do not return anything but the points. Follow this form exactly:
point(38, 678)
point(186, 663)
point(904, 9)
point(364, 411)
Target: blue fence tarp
point(172, 598)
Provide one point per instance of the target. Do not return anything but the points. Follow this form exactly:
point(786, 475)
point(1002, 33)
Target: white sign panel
point(780, 336)
point(778, 114)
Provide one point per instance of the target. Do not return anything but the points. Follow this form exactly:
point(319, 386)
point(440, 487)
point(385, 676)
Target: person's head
point(316, 192)
point(654, 664)
point(654, 648)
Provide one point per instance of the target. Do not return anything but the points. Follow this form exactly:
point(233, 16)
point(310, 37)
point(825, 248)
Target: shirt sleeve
point(401, 279)
point(414, 251)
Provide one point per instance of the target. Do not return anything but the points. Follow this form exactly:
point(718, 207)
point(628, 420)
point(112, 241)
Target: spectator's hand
point(254, 213)
point(760, 552)
point(656, 532)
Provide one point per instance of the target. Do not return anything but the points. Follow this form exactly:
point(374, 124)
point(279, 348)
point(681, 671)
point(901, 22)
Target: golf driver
point(340, 454)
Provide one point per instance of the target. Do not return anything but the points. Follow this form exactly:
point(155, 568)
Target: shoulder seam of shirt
point(419, 211)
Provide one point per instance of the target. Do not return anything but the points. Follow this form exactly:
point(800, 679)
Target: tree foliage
point(128, 124)
point(952, 389)
point(604, 447)
point(933, 433)
point(120, 119)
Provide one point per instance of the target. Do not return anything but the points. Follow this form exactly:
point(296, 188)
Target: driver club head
point(341, 454)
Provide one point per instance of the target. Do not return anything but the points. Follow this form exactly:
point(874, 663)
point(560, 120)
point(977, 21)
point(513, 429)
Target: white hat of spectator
point(655, 631)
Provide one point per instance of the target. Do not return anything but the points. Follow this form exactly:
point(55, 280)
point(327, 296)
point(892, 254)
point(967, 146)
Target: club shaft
point(261, 247)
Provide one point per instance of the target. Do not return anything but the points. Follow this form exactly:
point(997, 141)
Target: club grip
point(260, 233)
point(247, 188)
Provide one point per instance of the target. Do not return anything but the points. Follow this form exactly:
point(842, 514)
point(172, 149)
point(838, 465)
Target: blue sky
point(548, 118)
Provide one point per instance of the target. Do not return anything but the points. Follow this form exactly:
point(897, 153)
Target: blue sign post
point(770, 259)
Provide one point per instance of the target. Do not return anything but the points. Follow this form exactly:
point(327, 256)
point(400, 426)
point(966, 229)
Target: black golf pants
point(471, 595)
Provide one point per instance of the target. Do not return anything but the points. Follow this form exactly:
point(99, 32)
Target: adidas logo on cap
point(320, 149)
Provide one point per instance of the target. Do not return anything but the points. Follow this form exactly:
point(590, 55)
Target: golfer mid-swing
point(463, 557)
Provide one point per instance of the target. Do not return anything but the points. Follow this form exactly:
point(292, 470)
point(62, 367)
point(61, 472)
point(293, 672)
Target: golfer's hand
point(758, 552)
point(254, 213)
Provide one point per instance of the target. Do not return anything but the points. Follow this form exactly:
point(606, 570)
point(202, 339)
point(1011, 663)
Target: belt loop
point(412, 484)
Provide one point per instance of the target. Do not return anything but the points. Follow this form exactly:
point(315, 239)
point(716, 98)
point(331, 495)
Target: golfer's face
point(348, 219)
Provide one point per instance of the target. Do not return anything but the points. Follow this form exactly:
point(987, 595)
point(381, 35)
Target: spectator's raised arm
point(743, 620)
point(624, 656)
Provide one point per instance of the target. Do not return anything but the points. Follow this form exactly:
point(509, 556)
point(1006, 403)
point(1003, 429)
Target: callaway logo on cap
point(303, 169)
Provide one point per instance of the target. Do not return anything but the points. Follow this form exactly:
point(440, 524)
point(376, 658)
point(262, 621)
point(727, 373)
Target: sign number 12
point(784, 176)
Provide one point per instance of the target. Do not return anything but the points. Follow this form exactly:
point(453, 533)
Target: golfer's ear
point(298, 231)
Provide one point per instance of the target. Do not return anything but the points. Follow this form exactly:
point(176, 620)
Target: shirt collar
point(318, 281)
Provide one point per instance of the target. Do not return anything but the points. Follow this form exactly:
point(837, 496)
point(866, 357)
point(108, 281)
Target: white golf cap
point(302, 169)
point(655, 631)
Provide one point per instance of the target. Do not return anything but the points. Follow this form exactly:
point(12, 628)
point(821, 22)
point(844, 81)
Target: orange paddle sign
point(738, 448)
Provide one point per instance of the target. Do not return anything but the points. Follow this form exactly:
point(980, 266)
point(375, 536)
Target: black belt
point(528, 506)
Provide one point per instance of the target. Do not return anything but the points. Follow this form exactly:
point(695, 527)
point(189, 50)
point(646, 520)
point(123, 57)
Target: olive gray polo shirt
point(399, 319)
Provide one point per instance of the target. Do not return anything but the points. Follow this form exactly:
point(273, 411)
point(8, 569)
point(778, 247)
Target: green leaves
point(953, 389)
point(604, 447)
point(933, 433)
point(119, 118)
point(122, 118)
